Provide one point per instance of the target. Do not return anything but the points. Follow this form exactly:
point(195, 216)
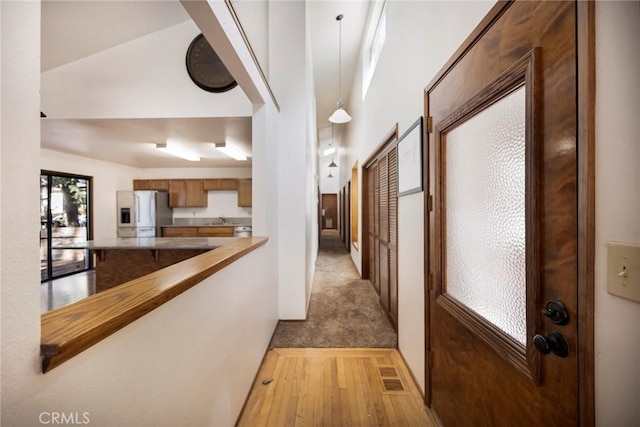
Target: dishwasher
point(242, 231)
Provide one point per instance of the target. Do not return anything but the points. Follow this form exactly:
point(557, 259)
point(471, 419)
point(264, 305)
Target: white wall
point(617, 338)
point(254, 18)
point(107, 179)
point(311, 167)
point(219, 203)
point(145, 77)
point(190, 362)
point(19, 195)
point(329, 185)
point(178, 173)
point(396, 91)
point(288, 79)
point(161, 372)
point(396, 95)
point(411, 325)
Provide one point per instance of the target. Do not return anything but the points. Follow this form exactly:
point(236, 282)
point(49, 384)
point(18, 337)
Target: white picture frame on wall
point(410, 159)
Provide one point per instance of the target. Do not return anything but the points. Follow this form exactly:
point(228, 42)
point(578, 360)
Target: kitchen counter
point(151, 243)
point(121, 260)
point(203, 225)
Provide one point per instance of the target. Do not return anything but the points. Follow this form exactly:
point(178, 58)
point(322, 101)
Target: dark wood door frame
point(330, 209)
point(347, 225)
point(319, 210)
point(586, 47)
point(585, 12)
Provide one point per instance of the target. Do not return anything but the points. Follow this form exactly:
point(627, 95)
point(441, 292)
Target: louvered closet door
point(376, 228)
point(383, 242)
point(382, 229)
point(393, 234)
point(371, 218)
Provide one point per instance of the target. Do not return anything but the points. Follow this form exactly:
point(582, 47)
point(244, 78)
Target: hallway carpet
point(344, 310)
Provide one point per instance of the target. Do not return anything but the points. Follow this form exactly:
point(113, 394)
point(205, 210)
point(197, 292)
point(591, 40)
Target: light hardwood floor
point(334, 387)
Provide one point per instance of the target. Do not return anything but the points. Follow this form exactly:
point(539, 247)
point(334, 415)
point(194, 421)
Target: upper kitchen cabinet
point(218, 184)
point(244, 193)
point(187, 193)
point(151, 184)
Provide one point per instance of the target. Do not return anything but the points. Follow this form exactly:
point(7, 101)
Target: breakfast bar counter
point(123, 259)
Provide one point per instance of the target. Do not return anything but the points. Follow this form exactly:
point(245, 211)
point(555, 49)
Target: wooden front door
point(503, 231)
point(329, 211)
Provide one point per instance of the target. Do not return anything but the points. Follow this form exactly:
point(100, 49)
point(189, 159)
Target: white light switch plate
point(623, 271)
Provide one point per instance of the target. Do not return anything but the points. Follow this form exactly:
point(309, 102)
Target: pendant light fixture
point(329, 176)
point(332, 164)
point(340, 115)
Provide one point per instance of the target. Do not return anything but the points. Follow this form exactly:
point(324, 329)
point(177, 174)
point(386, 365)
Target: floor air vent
point(388, 371)
point(392, 384)
point(390, 377)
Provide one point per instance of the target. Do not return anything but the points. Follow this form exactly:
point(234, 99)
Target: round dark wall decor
point(206, 69)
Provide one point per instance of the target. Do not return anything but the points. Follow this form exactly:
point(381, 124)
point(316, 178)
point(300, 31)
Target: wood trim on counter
point(69, 330)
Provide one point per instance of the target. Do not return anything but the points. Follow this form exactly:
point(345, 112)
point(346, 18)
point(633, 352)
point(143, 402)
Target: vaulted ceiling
point(72, 30)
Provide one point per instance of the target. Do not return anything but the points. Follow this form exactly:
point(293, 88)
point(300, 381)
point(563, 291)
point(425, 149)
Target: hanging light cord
point(332, 142)
point(339, 19)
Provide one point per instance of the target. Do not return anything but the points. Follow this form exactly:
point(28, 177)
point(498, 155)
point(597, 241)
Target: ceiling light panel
point(230, 150)
point(178, 151)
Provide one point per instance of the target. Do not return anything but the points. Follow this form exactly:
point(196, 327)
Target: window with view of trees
point(64, 218)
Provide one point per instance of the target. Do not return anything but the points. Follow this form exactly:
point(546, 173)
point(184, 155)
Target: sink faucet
point(223, 219)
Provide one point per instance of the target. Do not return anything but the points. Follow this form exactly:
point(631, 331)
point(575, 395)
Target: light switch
point(623, 271)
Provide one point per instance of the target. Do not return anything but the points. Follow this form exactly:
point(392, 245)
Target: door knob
point(554, 342)
point(555, 311)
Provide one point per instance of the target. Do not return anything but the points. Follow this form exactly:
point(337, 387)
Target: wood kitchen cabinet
point(192, 193)
point(218, 184)
point(151, 184)
point(215, 231)
point(179, 231)
point(187, 193)
point(197, 231)
point(245, 195)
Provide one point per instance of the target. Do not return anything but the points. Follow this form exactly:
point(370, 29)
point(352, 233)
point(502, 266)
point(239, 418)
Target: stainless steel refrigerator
point(142, 213)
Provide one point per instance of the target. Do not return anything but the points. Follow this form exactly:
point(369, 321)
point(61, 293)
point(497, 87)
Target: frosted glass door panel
point(485, 211)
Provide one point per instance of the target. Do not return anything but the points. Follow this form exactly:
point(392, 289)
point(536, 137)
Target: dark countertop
point(151, 243)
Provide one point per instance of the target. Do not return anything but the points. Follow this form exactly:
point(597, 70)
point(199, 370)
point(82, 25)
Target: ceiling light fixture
point(329, 151)
point(340, 115)
point(329, 176)
point(230, 150)
point(178, 152)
